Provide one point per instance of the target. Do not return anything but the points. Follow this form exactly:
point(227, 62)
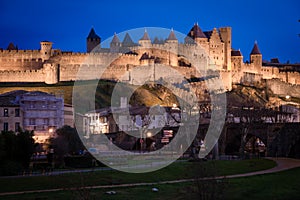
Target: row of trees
point(17, 148)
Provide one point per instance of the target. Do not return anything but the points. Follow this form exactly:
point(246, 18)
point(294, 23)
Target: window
point(5, 113)
point(17, 112)
point(17, 126)
point(46, 121)
point(31, 121)
point(5, 126)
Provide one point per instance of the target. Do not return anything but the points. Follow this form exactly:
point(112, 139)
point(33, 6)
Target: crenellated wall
point(281, 88)
point(22, 76)
point(20, 60)
point(211, 54)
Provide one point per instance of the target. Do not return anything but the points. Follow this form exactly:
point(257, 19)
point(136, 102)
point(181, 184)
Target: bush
point(10, 168)
point(79, 161)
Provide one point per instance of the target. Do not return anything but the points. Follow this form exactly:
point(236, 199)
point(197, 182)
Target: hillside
point(145, 95)
point(148, 95)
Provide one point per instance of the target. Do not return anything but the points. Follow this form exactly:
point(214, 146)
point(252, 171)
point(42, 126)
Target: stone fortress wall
point(211, 49)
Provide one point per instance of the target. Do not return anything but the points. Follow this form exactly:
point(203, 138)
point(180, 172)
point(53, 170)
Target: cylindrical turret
point(51, 73)
point(46, 47)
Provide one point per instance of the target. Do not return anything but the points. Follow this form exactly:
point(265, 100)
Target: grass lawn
point(281, 185)
point(178, 170)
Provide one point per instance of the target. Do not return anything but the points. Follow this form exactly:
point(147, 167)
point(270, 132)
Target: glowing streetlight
point(149, 134)
point(51, 131)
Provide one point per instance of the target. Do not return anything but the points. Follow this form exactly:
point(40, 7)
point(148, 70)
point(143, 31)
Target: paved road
point(282, 165)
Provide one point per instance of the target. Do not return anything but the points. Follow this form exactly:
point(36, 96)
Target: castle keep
point(53, 65)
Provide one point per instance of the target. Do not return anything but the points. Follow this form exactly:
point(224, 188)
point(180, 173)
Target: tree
point(66, 142)
point(16, 150)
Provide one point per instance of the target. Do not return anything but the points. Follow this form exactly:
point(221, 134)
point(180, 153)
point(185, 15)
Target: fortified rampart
point(281, 88)
point(204, 51)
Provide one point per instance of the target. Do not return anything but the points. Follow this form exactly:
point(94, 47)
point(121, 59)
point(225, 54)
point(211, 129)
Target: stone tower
point(115, 44)
point(51, 71)
point(236, 60)
point(225, 33)
point(198, 36)
point(145, 40)
point(172, 44)
point(92, 41)
point(127, 41)
point(45, 51)
point(256, 57)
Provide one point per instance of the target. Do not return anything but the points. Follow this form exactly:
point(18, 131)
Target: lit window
point(5, 113)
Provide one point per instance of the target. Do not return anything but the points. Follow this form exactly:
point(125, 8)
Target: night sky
point(273, 24)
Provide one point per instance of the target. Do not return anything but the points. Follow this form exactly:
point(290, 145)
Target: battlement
point(209, 50)
point(20, 71)
point(18, 51)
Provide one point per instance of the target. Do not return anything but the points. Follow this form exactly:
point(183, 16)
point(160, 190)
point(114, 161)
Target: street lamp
point(149, 134)
point(51, 131)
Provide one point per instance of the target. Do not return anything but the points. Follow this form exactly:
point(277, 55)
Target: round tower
point(46, 48)
point(51, 73)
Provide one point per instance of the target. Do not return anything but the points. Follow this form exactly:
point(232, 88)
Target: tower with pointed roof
point(127, 41)
point(115, 44)
point(172, 45)
point(92, 40)
point(197, 34)
point(256, 57)
point(11, 46)
point(145, 40)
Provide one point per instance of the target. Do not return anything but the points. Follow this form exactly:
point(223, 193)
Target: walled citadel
point(121, 61)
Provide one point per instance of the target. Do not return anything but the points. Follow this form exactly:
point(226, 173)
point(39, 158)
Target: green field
point(178, 170)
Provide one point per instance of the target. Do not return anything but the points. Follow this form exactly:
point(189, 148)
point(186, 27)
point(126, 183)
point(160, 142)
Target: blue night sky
point(273, 24)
